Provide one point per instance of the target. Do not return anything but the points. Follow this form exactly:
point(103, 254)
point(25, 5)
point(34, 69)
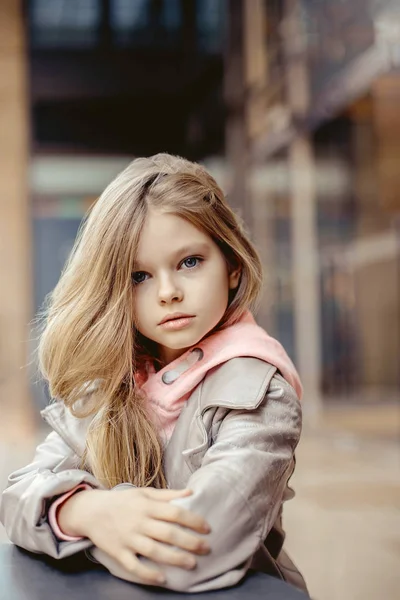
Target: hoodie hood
point(168, 388)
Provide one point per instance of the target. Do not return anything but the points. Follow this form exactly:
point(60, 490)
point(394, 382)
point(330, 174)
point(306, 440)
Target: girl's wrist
point(76, 515)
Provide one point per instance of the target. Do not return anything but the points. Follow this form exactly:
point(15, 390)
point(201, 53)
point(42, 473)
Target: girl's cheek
point(138, 298)
point(146, 291)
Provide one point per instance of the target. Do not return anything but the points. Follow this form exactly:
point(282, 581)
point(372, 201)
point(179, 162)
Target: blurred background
point(294, 106)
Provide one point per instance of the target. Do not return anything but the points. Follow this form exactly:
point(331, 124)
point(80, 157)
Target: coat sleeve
point(239, 489)
point(32, 489)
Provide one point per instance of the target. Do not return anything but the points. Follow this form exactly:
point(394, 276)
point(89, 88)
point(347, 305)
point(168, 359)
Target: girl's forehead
point(165, 234)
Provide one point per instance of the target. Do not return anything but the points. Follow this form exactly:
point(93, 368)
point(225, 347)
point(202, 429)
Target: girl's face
point(181, 284)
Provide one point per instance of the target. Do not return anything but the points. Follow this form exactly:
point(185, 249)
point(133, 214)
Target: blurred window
point(128, 15)
point(71, 23)
point(129, 23)
point(210, 19)
point(171, 15)
point(145, 22)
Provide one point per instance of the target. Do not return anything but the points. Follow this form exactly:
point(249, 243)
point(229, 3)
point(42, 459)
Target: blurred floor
point(344, 524)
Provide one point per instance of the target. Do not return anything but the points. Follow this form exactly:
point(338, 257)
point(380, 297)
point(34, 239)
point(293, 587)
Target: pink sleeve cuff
point(55, 507)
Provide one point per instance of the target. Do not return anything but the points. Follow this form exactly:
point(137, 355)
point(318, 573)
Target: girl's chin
point(177, 347)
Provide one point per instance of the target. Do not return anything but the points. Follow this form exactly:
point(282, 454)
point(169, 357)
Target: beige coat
point(233, 445)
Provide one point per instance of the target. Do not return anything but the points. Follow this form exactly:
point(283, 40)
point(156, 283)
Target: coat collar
point(71, 429)
point(240, 383)
point(245, 338)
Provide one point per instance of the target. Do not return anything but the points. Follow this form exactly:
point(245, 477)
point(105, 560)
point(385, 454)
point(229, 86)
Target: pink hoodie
point(244, 338)
point(168, 389)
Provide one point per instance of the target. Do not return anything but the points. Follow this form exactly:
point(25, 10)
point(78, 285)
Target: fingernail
point(160, 578)
point(204, 546)
point(206, 528)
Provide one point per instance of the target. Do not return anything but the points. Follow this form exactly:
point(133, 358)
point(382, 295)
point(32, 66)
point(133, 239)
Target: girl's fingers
point(135, 567)
point(175, 536)
point(165, 495)
point(160, 553)
point(164, 511)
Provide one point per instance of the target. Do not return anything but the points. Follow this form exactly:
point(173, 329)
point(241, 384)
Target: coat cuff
point(54, 509)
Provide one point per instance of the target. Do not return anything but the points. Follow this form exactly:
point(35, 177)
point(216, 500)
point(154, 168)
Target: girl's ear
point(234, 278)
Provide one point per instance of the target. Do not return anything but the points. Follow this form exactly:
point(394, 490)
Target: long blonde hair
point(90, 341)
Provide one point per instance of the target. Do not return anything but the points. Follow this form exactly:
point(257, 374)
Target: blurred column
point(386, 103)
point(237, 151)
point(304, 222)
point(377, 176)
point(260, 202)
point(15, 242)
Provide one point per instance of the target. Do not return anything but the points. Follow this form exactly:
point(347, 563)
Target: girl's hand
point(124, 523)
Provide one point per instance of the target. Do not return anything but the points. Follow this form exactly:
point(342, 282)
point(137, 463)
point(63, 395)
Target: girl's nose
point(169, 292)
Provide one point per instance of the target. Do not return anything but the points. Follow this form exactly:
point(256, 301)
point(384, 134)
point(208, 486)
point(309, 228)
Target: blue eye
point(139, 277)
point(191, 262)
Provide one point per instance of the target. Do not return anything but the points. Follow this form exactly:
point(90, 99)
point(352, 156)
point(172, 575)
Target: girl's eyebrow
point(189, 249)
point(194, 248)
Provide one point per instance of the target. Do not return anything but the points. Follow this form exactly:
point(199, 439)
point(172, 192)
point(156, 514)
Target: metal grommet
point(199, 352)
point(169, 377)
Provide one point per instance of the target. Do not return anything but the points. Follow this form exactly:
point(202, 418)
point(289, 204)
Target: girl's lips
point(173, 316)
point(178, 323)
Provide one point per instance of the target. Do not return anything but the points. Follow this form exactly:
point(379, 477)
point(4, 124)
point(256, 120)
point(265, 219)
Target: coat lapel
point(240, 383)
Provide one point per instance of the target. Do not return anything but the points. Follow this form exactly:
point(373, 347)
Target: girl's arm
point(31, 490)
point(239, 489)
point(121, 520)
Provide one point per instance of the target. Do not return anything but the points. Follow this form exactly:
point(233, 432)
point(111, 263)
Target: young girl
point(176, 417)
